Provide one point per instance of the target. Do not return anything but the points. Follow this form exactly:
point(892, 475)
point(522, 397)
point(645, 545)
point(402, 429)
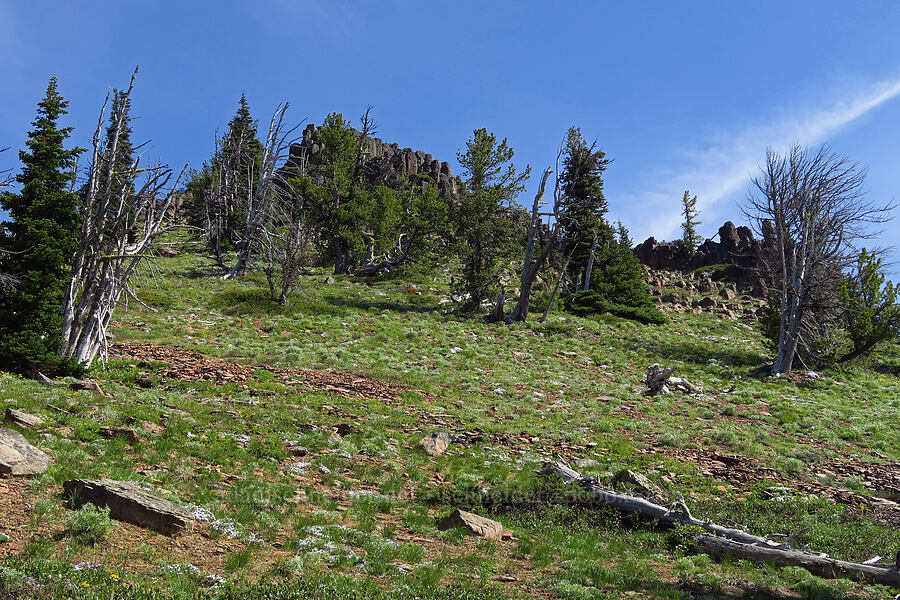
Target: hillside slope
point(292, 433)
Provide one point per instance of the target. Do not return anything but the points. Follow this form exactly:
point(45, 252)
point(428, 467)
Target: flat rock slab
point(18, 457)
point(22, 418)
point(435, 443)
point(480, 526)
point(127, 502)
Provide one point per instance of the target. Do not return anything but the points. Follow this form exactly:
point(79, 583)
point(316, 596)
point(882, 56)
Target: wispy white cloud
point(725, 164)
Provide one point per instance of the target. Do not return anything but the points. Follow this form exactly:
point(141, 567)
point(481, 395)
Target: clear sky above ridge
point(681, 95)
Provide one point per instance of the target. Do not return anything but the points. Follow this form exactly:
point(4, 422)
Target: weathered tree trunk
point(531, 267)
point(341, 255)
point(822, 566)
point(261, 200)
point(725, 540)
point(118, 229)
point(590, 263)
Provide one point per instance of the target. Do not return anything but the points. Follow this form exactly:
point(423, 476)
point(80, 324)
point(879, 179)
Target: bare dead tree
point(817, 211)
point(531, 266)
point(7, 282)
point(261, 203)
point(119, 226)
point(284, 239)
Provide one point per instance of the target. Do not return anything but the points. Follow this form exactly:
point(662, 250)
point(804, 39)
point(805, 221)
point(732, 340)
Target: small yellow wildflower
point(85, 584)
point(113, 575)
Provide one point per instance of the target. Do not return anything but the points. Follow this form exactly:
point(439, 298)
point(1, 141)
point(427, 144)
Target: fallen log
point(725, 540)
point(823, 566)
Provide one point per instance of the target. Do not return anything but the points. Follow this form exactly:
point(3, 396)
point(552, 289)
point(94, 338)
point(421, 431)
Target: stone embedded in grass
point(475, 524)
point(18, 457)
point(126, 433)
point(22, 419)
point(86, 386)
point(638, 483)
point(128, 502)
point(435, 443)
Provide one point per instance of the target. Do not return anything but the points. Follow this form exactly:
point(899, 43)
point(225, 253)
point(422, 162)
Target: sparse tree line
point(333, 212)
point(79, 238)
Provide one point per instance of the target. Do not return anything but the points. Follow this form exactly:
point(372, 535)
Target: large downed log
point(823, 566)
point(725, 540)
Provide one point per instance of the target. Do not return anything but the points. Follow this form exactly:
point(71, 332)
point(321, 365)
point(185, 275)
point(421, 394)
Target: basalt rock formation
point(736, 246)
point(385, 164)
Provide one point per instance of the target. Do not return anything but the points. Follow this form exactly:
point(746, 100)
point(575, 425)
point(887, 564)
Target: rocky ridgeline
point(386, 163)
point(698, 292)
point(736, 246)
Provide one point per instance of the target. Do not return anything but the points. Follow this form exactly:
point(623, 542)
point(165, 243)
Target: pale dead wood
point(823, 566)
point(119, 225)
point(270, 189)
point(725, 540)
point(662, 381)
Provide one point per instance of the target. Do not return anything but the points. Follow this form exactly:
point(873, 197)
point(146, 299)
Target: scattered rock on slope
point(475, 524)
point(435, 443)
point(22, 418)
point(127, 502)
point(637, 483)
point(18, 457)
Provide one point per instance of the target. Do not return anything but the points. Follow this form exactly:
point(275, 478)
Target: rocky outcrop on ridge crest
point(736, 246)
point(386, 163)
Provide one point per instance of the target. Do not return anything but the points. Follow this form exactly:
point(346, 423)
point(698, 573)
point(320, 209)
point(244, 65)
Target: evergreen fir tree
point(689, 210)
point(583, 203)
point(43, 239)
point(242, 136)
point(239, 152)
point(485, 230)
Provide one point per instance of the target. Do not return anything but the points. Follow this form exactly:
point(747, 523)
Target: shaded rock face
point(736, 246)
point(386, 163)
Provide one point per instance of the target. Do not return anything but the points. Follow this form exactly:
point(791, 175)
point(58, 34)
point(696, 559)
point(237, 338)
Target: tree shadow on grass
point(693, 352)
point(379, 305)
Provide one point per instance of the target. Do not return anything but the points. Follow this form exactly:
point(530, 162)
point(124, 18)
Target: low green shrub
point(89, 524)
point(590, 302)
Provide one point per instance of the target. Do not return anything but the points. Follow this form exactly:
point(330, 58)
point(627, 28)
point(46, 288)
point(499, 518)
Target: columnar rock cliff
point(385, 163)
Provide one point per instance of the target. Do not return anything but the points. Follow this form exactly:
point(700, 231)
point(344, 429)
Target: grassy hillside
point(237, 403)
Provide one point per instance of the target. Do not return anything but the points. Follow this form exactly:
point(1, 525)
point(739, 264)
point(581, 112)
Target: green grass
point(366, 528)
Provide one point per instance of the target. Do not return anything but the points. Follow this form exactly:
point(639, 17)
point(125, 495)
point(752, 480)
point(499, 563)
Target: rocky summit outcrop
point(386, 163)
point(736, 246)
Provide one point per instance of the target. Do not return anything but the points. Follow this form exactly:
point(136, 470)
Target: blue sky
point(680, 94)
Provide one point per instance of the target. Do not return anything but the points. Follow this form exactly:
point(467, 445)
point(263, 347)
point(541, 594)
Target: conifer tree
point(689, 211)
point(221, 188)
point(583, 203)
point(42, 241)
point(484, 227)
